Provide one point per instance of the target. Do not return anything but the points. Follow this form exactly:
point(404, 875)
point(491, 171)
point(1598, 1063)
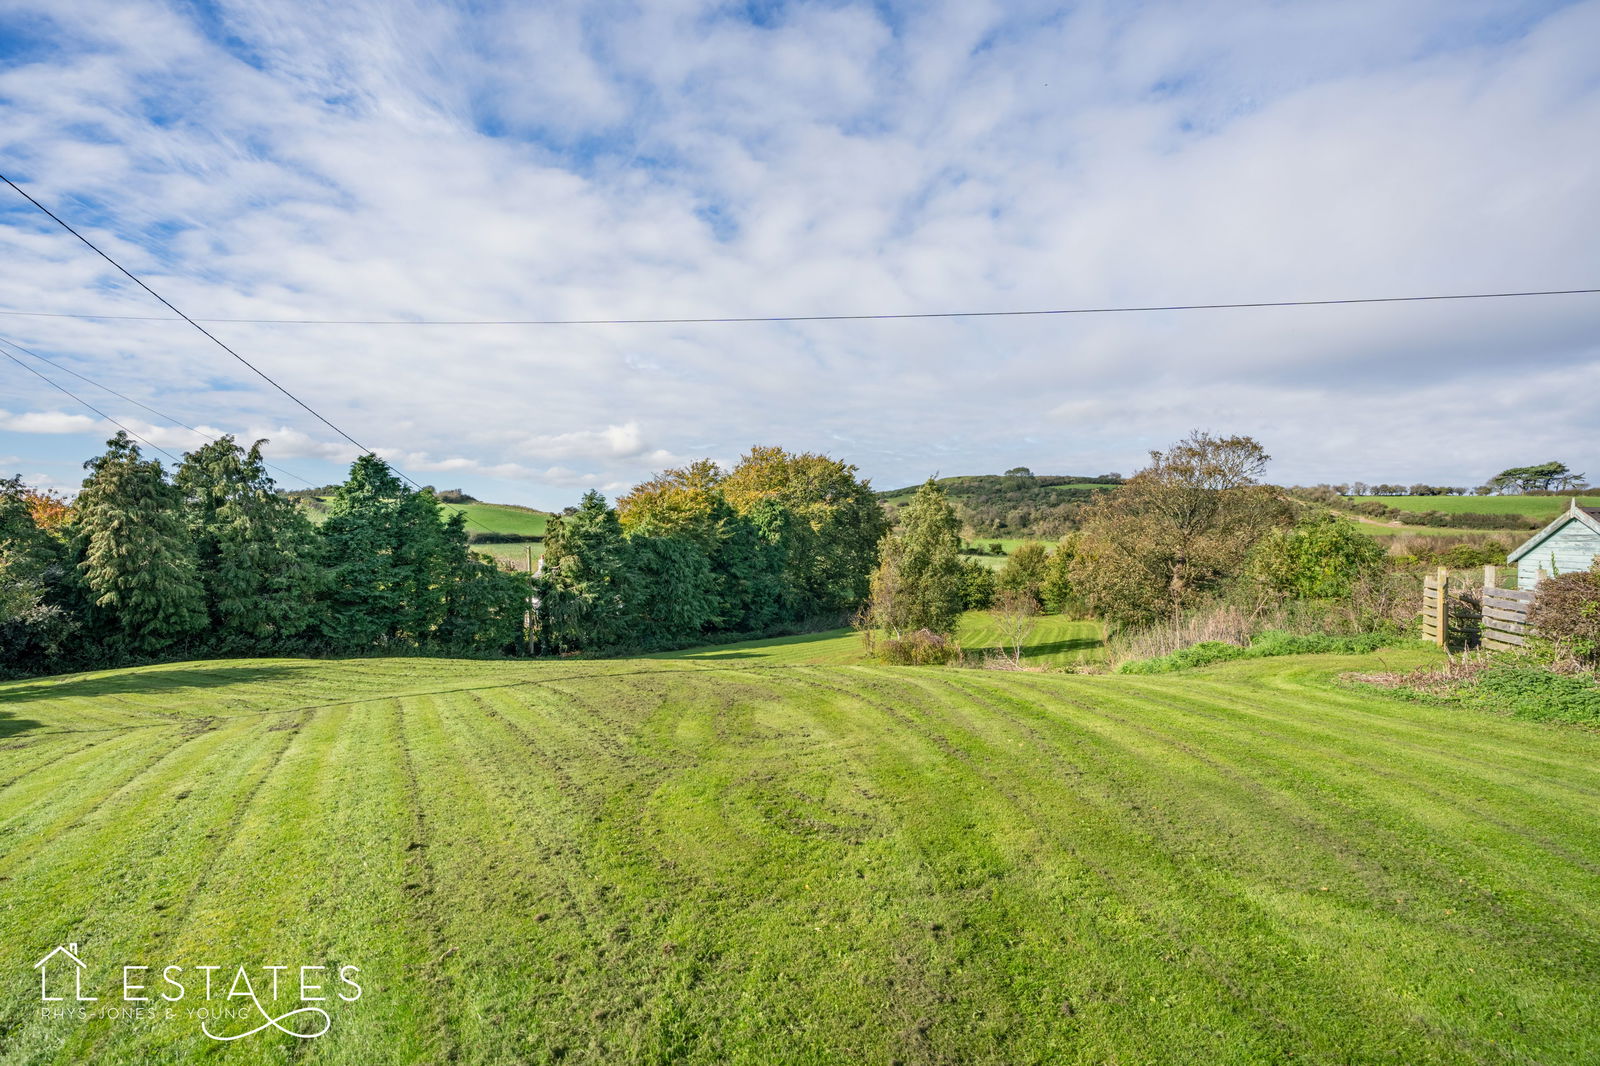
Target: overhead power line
point(138, 403)
point(169, 305)
point(733, 320)
point(62, 388)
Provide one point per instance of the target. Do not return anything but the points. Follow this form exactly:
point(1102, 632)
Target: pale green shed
point(1570, 543)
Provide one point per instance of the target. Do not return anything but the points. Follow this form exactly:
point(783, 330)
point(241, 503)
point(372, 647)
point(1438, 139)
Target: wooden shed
point(1570, 543)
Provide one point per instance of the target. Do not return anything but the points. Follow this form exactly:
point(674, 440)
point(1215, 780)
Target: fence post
point(1442, 607)
point(1491, 577)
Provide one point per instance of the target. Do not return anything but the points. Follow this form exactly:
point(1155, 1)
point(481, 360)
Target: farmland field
point(1541, 507)
point(500, 518)
point(768, 859)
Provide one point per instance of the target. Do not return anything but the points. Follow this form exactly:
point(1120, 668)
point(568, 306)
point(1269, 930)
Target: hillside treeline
point(211, 560)
point(779, 542)
point(1020, 503)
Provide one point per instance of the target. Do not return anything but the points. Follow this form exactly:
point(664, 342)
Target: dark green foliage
point(675, 591)
point(1056, 591)
point(484, 607)
point(365, 590)
point(1321, 557)
point(1026, 571)
point(1018, 503)
point(256, 552)
point(400, 576)
point(918, 584)
point(1526, 690)
point(33, 625)
point(977, 586)
point(135, 562)
point(1546, 476)
point(587, 589)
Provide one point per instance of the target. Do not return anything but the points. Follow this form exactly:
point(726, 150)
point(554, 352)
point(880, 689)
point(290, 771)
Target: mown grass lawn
point(764, 859)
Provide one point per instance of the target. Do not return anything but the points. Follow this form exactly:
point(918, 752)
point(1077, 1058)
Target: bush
point(922, 648)
point(1270, 643)
point(1566, 612)
point(1530, 691)
point(479, 536)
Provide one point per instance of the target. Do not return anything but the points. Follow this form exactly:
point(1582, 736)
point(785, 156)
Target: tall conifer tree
point(134, 559)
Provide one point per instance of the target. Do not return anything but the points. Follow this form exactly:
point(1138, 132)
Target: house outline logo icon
point(71, 952)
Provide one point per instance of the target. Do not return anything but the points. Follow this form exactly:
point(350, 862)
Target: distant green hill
point(1014, 506)
point(496, 520)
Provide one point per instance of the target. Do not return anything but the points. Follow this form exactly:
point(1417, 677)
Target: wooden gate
point(1465, 613)
point(1505, 617)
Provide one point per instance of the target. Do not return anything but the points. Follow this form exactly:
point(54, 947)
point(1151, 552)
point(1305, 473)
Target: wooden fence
point(1458, 610)
point(1505, 617)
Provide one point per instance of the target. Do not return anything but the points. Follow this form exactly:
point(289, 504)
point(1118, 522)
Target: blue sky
point(680, 159)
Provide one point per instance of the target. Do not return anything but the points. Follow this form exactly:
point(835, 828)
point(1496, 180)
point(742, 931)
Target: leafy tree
point(587, 592)
point(1025, 571)
point(365, 590)
point(257, 553)
point(1177, 530)
point(134, 559)
point(32, 627)
point(1055, 591)
point(833, 528)
point(1541, 476)
point(483, 606)
point(746, 563)
point(1322, 557)
point(977, 585)
point(676, 596)
point(918, 584)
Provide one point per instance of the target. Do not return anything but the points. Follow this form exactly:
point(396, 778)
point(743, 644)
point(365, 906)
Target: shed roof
point(1587, 516)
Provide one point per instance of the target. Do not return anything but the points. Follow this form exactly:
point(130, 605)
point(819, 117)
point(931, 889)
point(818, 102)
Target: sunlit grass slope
point(765, 860)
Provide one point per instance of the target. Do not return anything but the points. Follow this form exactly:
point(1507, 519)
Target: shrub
point(1530, 691)
point(1270, 643)
point(1566, 611)
point(1319, 558)
point(921, 648)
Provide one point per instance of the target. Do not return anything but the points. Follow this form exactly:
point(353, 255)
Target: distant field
point(775, 860)
point(481, 517)
point(500, 518)
point(511, 553)
point(1545, 507)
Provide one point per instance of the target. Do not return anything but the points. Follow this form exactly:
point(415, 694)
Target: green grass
point(500, 518)
point(481, 517)
point(1545, 507)
point(1056, 641)
point(511, 553)
point(765, 860)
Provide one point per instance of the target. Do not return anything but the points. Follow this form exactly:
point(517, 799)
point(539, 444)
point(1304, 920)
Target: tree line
point(781, 542)
point(211, 559)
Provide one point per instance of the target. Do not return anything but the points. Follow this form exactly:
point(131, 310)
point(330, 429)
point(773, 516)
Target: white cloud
point(360, 160)
point(45, 422)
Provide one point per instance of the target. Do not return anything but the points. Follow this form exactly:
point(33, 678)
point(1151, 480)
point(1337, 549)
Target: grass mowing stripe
point(1183, 839)
point(1571, 946)
point(1231, 970)
point(1461, 789)
point(1109, 865)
